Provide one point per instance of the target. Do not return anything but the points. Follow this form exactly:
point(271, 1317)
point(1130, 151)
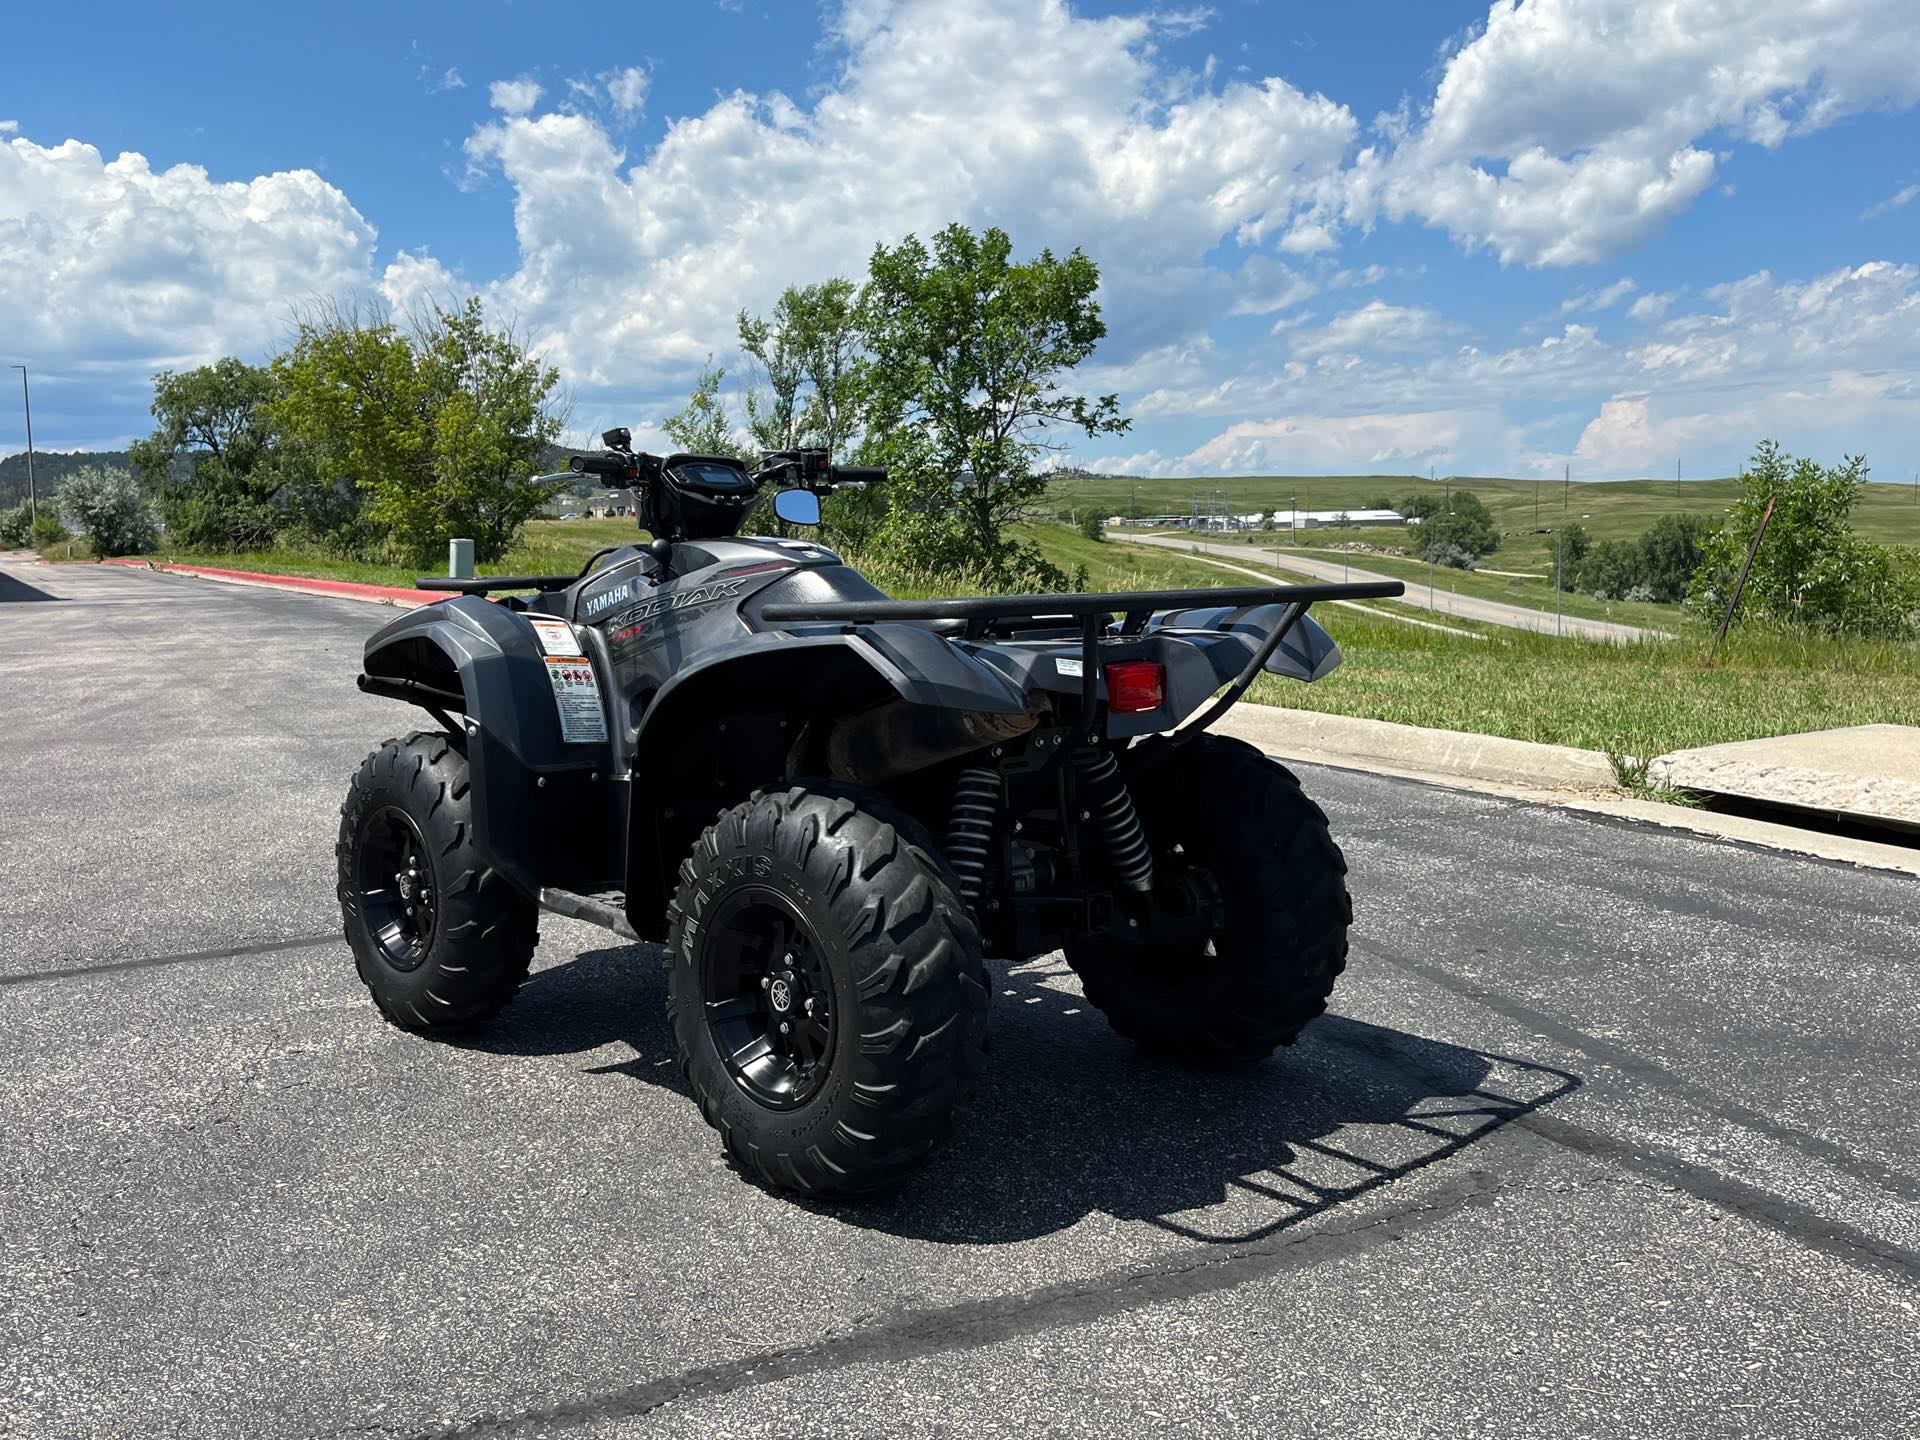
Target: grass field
point(1612, 510)
point(1640, 700)
point(1535, 594)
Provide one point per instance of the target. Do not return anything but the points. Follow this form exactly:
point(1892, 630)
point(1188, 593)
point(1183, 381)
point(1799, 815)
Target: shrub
point(1445, 552)
point(1811, 570)
point(109, 509)
point(48, 530)
point(16, 523)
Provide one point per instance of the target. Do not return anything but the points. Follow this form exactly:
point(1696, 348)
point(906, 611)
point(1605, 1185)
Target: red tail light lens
point(1135, 686)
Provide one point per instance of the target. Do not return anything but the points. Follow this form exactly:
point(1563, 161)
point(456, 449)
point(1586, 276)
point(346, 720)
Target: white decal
point(1069, 666)
point(556, 637)
point(576, 694)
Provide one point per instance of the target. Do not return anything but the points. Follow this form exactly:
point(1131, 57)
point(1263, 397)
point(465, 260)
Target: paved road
point(1613, 1133)
point(1437, 599)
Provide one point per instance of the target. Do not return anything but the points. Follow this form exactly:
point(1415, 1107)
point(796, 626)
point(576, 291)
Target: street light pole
point(33, 499)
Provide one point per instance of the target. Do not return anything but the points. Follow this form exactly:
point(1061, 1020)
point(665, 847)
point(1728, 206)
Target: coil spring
point(1105, 795)
point(976, 806)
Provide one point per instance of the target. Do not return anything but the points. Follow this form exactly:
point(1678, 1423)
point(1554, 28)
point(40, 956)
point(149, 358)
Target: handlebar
point(809, 468)
point(615, 466)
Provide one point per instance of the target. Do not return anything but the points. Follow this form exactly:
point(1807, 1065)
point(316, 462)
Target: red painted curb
point(345, 589)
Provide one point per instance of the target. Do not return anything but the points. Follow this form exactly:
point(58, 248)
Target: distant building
point(1263, 520)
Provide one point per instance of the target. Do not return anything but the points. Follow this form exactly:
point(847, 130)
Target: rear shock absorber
point(976, 808)
point(1105, 795)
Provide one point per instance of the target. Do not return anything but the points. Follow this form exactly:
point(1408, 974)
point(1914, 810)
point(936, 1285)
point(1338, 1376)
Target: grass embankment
point(1640, 699)
point(548, 547)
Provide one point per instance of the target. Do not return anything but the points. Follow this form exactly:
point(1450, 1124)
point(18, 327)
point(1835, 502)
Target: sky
point(1618, 236)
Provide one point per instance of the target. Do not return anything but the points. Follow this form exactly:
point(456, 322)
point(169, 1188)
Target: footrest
point(607, 909)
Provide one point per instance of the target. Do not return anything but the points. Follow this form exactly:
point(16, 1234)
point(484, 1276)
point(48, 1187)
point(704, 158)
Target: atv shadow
point(1072, 1119)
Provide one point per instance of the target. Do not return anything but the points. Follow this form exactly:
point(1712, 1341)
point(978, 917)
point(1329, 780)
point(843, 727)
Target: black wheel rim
point(768, 997)
point(398, 895)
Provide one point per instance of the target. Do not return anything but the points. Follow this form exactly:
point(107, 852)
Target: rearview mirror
point(797, 507)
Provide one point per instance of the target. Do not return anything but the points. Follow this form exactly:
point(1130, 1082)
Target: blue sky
point(1385, 236)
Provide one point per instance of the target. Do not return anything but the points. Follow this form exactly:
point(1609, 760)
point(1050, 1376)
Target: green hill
point(1610, 510)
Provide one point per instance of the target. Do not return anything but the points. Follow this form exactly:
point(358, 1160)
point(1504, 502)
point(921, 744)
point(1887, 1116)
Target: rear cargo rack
point(986, 613)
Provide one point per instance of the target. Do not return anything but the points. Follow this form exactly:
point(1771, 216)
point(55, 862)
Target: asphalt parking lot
point(1612, 1131)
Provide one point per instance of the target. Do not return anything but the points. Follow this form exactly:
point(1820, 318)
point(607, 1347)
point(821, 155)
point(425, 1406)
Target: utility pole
point(1566, 480)
point(1676, 479)
point(33, 499)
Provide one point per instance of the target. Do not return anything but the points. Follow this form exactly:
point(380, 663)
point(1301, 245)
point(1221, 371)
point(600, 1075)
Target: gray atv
point(829, 806)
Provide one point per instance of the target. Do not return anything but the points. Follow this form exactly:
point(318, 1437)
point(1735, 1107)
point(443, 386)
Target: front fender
point(543, 807)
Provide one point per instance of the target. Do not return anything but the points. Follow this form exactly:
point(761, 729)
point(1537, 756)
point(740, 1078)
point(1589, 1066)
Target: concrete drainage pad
point(1863, 772)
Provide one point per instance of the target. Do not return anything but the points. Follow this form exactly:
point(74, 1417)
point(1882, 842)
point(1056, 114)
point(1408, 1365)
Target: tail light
point(1135, 686)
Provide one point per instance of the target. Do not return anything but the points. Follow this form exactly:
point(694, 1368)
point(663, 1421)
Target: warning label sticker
point(556, 637)
point(576, 694)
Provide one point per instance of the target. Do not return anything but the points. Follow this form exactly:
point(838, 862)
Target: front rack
point(984, 614)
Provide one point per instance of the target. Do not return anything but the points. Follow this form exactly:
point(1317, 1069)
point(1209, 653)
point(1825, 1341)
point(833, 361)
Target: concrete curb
point(339, 589)
point(1379, 744)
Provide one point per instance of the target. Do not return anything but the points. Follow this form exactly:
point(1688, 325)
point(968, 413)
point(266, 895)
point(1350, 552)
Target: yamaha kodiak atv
point(828, 806)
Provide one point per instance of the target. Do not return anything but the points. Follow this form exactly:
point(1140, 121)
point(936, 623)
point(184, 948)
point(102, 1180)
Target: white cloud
point(1903, 196)
point(627, 90)
point(448, 79)
point(1593, 113)
point(514, 97)
point(414, 280)
point(1594, 301)
point(111, 263)
point(1041, 121)
point(1375, 327)
point(9, 127)
point(1651, 306)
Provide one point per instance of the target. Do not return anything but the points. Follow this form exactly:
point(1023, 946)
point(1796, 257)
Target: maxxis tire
point(1282, 884)
point(483, 932)
point(903, 975)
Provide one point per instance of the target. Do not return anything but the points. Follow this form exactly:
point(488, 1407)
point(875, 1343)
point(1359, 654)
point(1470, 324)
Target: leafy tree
point(1811, 569)
point(16, 525)
point(1461, 520)
point(433, 431)
point(773, 412)
point(1670, 551)
point(809, 362)
point(1093, 524)
point(1609, 570)
point(702, 427)
point(969, 351)
point(209, 459)
point(109, 509)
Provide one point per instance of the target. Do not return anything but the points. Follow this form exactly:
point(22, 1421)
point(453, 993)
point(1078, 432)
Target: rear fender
point(1306, 653)
point(545, 810)
point(754, 713)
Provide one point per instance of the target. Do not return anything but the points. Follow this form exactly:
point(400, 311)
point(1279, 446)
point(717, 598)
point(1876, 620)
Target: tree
point(701, 427)
point(209, 459)
point(1093, 524)
point(1811, 569)
point(1670, 551)
point(109, 509)
point(1461, 520)
point(1607, 571)
point(809, 363)
point(433, 431)
point(969, 352)
point(16, 525)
